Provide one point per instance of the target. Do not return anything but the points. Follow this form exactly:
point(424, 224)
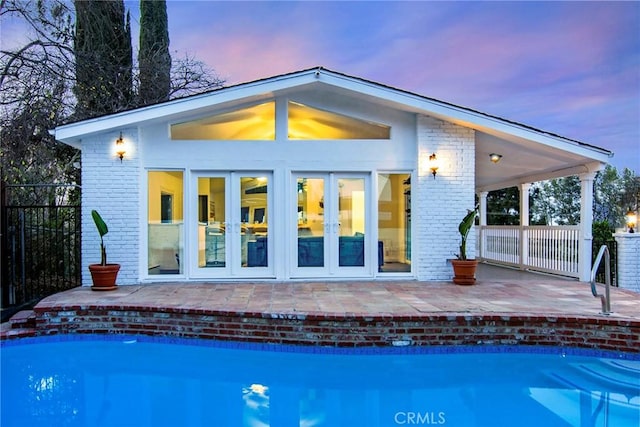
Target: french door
point(232, 225)
point(331, 225)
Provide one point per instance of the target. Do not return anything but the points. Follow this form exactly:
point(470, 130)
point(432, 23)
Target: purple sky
point(564, 67)
point(571, 68)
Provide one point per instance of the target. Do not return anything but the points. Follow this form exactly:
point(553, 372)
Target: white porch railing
point(551, 249)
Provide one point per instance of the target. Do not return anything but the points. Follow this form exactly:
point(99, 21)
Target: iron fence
point(40, 251)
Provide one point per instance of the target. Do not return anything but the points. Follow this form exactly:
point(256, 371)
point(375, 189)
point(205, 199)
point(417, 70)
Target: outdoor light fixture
point(433, 165)
point(495, 158)
point(120, 151)
point(631, 220)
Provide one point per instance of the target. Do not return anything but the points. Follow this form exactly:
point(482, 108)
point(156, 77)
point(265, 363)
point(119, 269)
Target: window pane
point(253, 123)
point(394, 223)
point(212, 223)
point(254, 218)
point(351, 220)
point(310, 222)
point(311, 123)
point(165, 222)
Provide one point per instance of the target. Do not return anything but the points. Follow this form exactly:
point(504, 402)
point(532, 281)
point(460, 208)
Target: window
point(394, 222)
point(311, 123)
point(258, 123)
point(165, 223)
point(252, 123)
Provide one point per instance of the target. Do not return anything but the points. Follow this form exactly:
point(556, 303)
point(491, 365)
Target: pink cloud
point(560, 66)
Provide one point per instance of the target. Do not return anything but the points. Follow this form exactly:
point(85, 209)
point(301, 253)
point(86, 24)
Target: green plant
point(464, 228)
point(102, 230)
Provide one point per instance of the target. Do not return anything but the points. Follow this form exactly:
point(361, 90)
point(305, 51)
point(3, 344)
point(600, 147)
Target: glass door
point(351, 215)
point(310, 258)
point(331, 222)
point(252, 230)
point(233, 225)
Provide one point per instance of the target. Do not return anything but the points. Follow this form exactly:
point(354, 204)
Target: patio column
point(524, 222)
point(586, 220)
point(483, 220)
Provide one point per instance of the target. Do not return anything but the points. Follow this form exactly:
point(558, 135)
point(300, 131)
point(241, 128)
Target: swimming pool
point(87, 380)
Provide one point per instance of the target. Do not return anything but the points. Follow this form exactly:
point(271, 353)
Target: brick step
point(25, 319)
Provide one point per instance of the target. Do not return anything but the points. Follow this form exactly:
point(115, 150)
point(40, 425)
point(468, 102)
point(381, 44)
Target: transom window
point(258, 123)
point(252, 123)
point(312, 123)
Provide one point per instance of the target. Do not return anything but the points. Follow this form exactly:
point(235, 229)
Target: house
point(312, 174)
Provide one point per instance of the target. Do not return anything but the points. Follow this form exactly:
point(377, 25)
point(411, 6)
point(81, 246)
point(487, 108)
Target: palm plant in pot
point(104, 274)
point(464, 270)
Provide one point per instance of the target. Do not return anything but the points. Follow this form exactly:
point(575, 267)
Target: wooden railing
point(552, 249)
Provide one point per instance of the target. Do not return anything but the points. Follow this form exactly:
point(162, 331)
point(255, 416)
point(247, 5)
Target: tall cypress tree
point(154, 57)
point(103, 58)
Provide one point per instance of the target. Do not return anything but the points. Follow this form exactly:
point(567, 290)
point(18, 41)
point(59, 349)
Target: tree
point(103, 58)
point(190, 76)
point(607, 197)
point(36, 97)
point(557, 202)
point(154, 58)
point(503, 207)
point(630, 192)
point(37, 83)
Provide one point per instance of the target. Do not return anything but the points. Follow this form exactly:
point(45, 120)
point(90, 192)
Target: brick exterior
point(112, 188)
point(441, 203)
point(348, 330)
point(628, 261)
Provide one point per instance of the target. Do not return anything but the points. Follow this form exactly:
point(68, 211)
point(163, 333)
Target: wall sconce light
point(433, 165)
point(120, 151)
point(631, 220)
point(495, 158)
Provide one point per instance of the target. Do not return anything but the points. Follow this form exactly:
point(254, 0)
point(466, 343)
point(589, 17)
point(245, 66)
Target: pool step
point(22, 324)
point(618, 377)
point(25, 319)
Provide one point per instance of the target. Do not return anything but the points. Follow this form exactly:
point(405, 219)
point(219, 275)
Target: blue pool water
point(141, 381)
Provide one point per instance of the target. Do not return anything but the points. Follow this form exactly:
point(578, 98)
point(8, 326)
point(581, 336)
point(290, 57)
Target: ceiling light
point(495, 158)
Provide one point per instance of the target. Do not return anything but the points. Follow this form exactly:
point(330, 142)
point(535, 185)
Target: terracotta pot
point(464, 272)
point(104, 276)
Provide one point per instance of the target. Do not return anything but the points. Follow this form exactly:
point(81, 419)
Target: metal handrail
point(606, 298)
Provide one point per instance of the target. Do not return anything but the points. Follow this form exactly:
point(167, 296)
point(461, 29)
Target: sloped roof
point(540, 154)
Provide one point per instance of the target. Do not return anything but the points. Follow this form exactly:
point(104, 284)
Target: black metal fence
point(40, 252)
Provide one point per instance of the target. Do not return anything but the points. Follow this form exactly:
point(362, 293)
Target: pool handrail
point(606, 298)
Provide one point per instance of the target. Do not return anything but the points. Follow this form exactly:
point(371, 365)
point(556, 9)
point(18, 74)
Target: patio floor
point(535, 296)
point(530, 309)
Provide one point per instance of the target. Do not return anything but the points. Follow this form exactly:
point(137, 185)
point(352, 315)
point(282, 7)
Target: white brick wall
point(112, 188)
point(628, 261)
point(441, 203)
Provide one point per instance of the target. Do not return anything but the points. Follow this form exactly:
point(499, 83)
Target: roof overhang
point(529, 154)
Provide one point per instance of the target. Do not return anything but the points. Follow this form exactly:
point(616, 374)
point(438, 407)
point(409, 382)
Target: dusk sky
point(564, 67)
point(571, 68)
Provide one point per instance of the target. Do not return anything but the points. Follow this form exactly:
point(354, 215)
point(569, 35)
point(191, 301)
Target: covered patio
point(504, 161)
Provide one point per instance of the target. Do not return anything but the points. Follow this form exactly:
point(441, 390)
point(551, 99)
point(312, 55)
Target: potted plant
point(464, 270)
point(103, 274)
